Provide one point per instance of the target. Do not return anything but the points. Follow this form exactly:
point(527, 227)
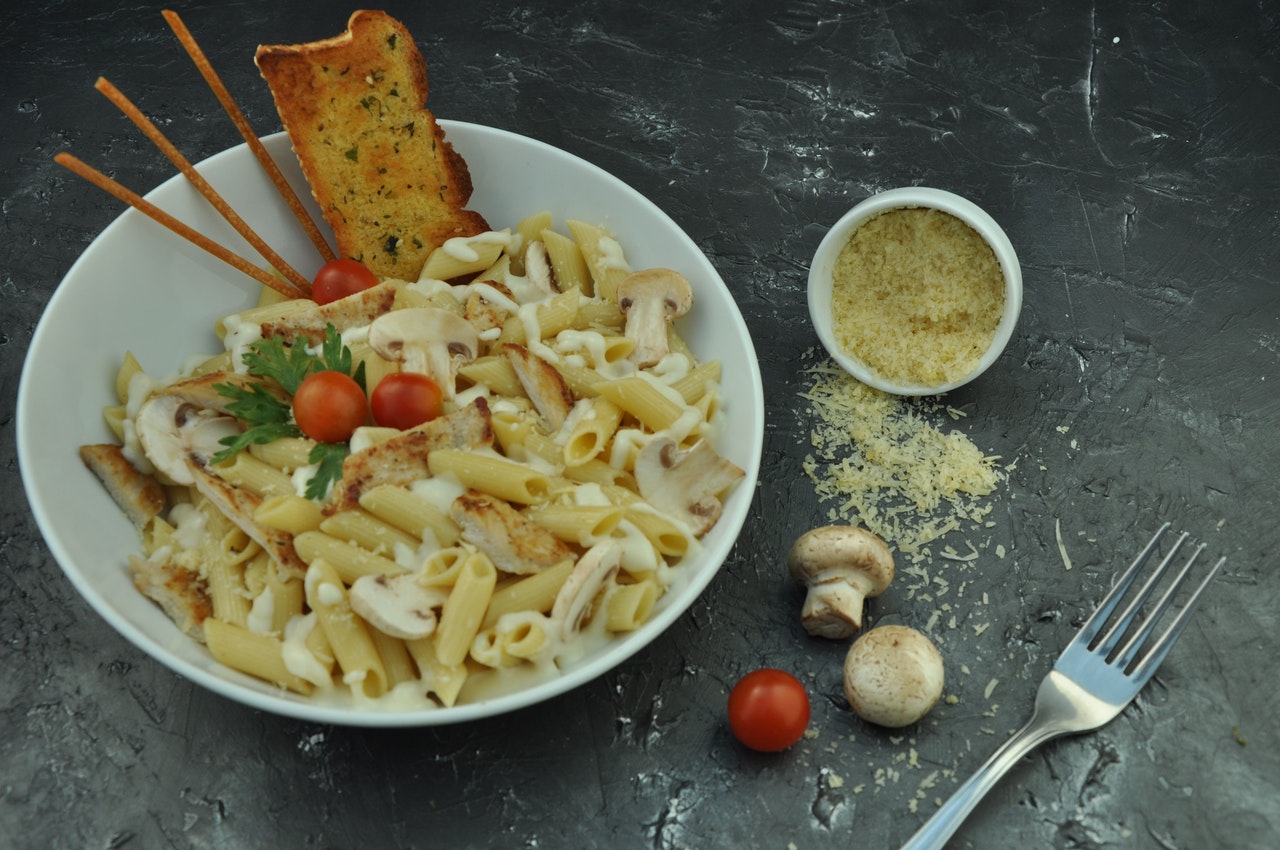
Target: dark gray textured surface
point(1130, 150)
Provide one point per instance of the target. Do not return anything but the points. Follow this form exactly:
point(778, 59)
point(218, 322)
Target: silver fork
point(1090, 683)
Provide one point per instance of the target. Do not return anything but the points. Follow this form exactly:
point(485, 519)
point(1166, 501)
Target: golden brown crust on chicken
point(140, 496)
point(388, 183)
point(514, 543)
point(402, 459)
point(180, 593)
point(543, 383)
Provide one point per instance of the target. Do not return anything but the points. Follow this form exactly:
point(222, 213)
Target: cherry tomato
point(340, 278)
point(405, 399)
point(768, 710)
point(329, 407)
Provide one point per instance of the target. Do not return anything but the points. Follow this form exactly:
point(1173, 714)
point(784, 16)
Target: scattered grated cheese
point(884, 465)
point(1062, 549)
point(991, 686)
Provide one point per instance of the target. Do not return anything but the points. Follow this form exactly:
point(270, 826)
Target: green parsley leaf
point(328, 458)
point(286, 364)
point(268, 417)
point(336, 357)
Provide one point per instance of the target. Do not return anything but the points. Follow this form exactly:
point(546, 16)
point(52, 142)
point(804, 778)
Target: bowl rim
point(819, 285)
point(252, 693)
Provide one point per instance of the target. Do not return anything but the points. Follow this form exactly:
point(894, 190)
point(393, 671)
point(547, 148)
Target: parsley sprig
point(269, 417)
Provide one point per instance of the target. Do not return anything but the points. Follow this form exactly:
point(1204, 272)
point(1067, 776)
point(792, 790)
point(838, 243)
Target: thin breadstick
point(150, 210)
point(251, 139)
point(166, 147)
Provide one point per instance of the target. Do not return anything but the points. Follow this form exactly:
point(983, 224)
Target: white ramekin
point(824, 261)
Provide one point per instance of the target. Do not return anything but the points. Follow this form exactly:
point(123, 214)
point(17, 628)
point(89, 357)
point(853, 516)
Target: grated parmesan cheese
point(884, 465)
point(917, 295)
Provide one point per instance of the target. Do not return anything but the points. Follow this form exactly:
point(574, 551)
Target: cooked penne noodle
point(629, 606)
point(645, 401)
point(464, 610)
point(528, 229)
point(695, 383)
point(599, 314)
point(245, 470)
point(261, 656)
point(604, 257)
point(129, 367)
point(585, 525)
point(368, 532)
point(464, 255)
point(291, 513)
point(225, 580)
point(592, 431)
point(286, 453)
point(600, 472)
point(350, 561)
point(567, 262)
point(443, 680)
point(545, 319)
point(492, 474)
point(493, 372)
point(411, 514)
point(585, 382)
point(531, 593)
point(396, 660)
point(348, 636)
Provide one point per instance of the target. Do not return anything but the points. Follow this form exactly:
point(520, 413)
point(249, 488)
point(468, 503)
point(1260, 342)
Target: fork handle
point(936, 831)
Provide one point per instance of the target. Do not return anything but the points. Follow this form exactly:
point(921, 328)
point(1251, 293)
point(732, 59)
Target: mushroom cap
point(397, 331)
point(397, 605)
point(670, 288)
point(893, 676)
point(842, 552)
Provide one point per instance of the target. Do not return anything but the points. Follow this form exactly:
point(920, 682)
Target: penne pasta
point(629, 606)
point(353, 647)
point(368, 532)
point(532, 593)
point(585, 525)
point(411, 514)
point(591, 431)
point(465, 608)
point(261, 656)
point(348, 560)
point(291, 513)
point(492, 474)
point(567, 262)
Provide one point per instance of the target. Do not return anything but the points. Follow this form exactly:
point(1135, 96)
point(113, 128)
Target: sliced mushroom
point(685, 484)
point(426, 340)
point(513, 542)
point(578, 594)
point(543, 383)
point(398, 605)
point(176, 435)
point(179, 439)
point(651, 300)
point(841, 565)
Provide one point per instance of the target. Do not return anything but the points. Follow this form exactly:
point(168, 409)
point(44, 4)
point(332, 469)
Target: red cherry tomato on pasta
point(329, 407)
point(768, 710)
point(406, 399)
point(340, 278)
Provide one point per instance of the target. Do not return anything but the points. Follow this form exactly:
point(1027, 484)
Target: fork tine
point(1109, 640)
point(1139, 637)
point(1108, 604)
point(1152, 660)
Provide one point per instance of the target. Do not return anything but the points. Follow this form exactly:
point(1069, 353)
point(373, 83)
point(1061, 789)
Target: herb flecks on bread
point(388, 183)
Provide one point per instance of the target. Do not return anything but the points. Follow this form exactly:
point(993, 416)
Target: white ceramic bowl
point(139, 288)
point(824, 261)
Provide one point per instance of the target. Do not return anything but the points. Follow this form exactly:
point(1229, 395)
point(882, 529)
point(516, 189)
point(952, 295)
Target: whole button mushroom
point(893, 676)
point(841, 565)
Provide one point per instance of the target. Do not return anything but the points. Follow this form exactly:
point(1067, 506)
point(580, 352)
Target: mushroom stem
point(841, 566)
